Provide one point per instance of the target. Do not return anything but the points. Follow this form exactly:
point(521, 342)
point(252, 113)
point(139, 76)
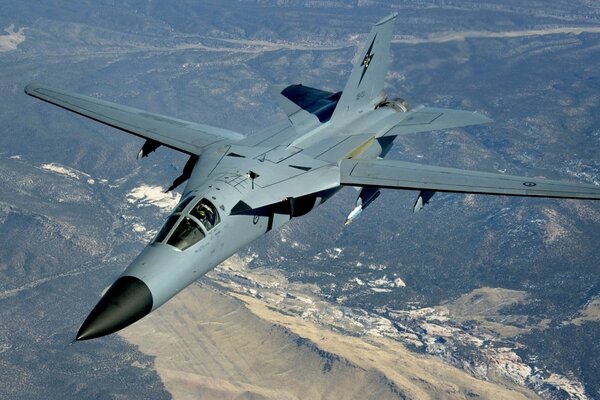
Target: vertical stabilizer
point(366, 80)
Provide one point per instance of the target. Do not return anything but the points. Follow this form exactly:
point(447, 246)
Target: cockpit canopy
point(189, 223)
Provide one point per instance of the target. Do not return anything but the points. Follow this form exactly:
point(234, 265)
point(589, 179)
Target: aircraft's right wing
point(178, 134)
point(405, 175)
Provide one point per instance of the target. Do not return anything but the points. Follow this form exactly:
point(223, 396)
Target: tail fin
point(366, 80)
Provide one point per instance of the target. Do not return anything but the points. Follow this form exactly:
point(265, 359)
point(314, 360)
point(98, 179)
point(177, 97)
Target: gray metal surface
point(405, 175)
point(240, 187)
point(425, 119)
point(178, 134)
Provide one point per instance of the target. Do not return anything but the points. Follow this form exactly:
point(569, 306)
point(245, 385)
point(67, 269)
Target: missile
point(353, 214)
point(365, 197)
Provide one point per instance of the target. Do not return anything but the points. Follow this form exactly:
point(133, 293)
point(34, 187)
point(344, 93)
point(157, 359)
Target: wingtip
point(31, 87)
point(484, 119)
point(28, 88)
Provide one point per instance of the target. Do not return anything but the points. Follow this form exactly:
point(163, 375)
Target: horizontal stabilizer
point(425, 119)
point(405, 175)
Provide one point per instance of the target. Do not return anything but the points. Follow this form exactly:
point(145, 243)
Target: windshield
point(186, 234)
point(166, 228)
point(192, 227)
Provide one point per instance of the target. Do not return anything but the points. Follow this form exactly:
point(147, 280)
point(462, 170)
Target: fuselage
point(179, 256)
point(235, 194)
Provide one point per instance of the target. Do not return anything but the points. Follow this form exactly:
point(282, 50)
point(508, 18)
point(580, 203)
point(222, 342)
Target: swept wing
point(405, 175)
point(188, 137)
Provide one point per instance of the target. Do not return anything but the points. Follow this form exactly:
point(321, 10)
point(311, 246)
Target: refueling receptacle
point(398, 104)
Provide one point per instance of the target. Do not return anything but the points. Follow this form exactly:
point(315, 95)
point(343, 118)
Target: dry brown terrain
point(591, 312)
point(484, 306)
point(211, 345)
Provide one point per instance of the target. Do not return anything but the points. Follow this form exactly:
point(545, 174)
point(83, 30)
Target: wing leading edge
point(188, 137)
point(426, 119)
point(405, 175)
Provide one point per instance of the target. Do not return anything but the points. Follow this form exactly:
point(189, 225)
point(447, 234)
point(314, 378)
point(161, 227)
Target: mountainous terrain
point(498, 293)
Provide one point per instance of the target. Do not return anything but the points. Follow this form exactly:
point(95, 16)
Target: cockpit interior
point(189, 223)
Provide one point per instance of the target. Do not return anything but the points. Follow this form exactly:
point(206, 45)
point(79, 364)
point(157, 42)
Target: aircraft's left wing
point(178, 134)
point(405, 175)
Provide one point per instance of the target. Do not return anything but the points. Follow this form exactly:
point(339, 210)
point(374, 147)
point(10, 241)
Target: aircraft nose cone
point(125, 302)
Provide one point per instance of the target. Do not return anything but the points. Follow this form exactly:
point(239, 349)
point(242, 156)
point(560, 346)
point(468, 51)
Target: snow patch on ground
point(380, 290)
point(381, 285)
point(139, 228)
point(334, 253)
point(385, 282)
point(68, 172)
point(12, 40)
point(469, 200)
point(60, 170)
point(376, 267)
point(144, 234)
point(398, 282)
point(146, 196)
point(358, 281)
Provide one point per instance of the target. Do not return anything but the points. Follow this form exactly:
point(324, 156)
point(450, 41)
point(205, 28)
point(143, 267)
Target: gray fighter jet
point(239, 188)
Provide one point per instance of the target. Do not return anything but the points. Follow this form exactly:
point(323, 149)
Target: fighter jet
point(241, 187)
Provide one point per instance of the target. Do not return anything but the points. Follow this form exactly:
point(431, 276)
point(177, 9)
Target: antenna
point(252, 175)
